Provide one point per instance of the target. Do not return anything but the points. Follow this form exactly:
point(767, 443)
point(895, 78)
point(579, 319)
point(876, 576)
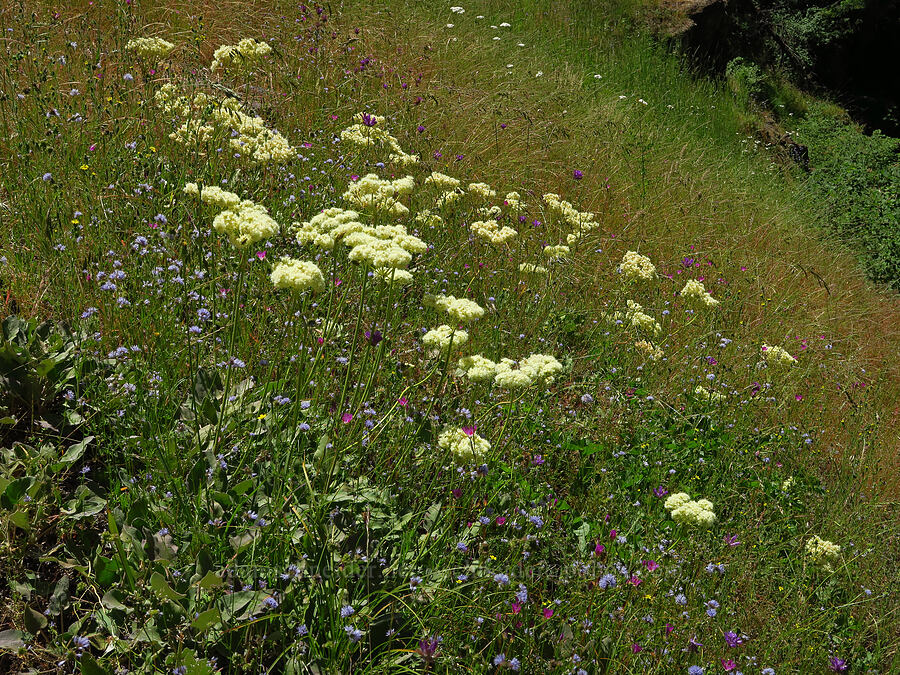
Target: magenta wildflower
point(731, 540)
point(346, 417)
point(728, 665)
point(837, 665)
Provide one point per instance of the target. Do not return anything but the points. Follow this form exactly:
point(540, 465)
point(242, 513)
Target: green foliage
point(746, 80)
point(37, 362)
point(857, 178)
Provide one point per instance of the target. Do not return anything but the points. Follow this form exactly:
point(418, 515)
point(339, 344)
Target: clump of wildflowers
point(441, 338)
point(822, 552)
point(239, 56)
point(637, 266)
point(477, 368)
point(531, 268)
point(464, 444)
point(482, 190)
point(492, 231)
point(649, 349)
point(372, 192)
point(460, 309)
point(442, 180)
point(298, 275)
point(686, 511)
point(695, 290)
point(213, 195)
point(711, 396)
point(246, 224)
point(777, 356)
point(150, 48)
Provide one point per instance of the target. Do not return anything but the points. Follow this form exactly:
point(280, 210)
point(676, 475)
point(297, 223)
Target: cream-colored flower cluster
point(556, 252)
point(492, 231)
point(298, 275)
point(150, 48)
point(776, 356)
point(637, 266)
point(394, 276)
point(368, 135)
point(482, 190)
point(581, 222)
point(822, 552)
point(429, 219)
point(205, 117)
point(448, 197)
point(695, 290)
point(459, 309)
point(373, 193)
point(466, 448)
point(241, 56)
point(531, 268)
point(686, 511)
point(636, 317)
point(213, 195)
point(246, 223)
point(655, 353)
point(711, 396)
point(442, 180)
point(385, 247)
point(536, 369)
point(440, 339)
point(513, 200)
point(326, 228)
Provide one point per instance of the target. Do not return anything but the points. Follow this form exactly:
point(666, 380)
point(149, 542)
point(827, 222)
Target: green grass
point(204, 473)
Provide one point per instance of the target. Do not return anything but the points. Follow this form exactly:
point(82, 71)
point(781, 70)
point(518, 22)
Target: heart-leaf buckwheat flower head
point(440, 339)
point(372, 193)
point(556, 252)
point(459, 309)
point(150, 48)
point(477, 368)
point(637, 266)
point(482, 190)
point(466, 448)
point(441, 180)
point(298, 275)
point(531, 268)
point(653, 352)
point(695, 290)
point(777, 356)
point(688, 512)
point(246, 224)
point(393, 276)
point(706, 395)
point(240, 56)
point(491, 231)
point(213, 195)
point(822, 552)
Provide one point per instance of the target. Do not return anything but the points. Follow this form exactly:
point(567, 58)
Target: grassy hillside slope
point(676, 452)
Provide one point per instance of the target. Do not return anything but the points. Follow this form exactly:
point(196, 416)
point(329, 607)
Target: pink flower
point(599, 548)
point(612, 534)
point(799, 397)
point(728, 664)
point(500, 520)
point(346, 417)
point(469, 431)
point(402, 401)
point(635, 581)
point(261, 255)
point(636, 648)
point(651, 565)
point(547, 612)
point(516, 607)
point(669, 628)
